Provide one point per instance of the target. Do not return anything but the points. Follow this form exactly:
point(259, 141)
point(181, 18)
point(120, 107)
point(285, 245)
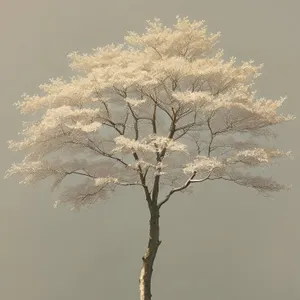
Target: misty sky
point(223, 242)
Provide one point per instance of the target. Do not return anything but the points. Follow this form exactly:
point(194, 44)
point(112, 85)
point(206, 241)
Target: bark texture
point(149, 257)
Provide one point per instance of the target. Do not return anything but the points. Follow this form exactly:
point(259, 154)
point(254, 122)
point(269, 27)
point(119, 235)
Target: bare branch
point(130, 184)
point(188, 182)
point(80, 173)
point(158, 104)
point(99, 151)
point(114, 125)
point(212, 135)
point(199, 150)
point(135, 125)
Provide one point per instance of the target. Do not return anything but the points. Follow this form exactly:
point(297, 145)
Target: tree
point(163, 106)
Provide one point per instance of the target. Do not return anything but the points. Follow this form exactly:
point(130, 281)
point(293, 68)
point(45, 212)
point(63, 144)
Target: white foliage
point(203, 164)
point(104, 180)
point(125, 144)
point(144, 164)
point(84, 194)
point(166, 75)
point(257, 156)
point(79, 91)
point(187, 38)
point(135, 102)
point(161, 142)
point(32, 171)
point(56, 127)
point(199, 98)
point(150, 144)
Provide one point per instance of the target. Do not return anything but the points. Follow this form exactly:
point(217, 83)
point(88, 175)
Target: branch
point(159, 105)
point(135, 125)
point(114, 125)
point(153, 119)
point(188, 182)
point(136, 128)
point(79, 173)
point(197, 144)
point(212, 135)
point(94, 177)
point(157, 52)
point(130, 184)
point(186, 128)
point(109, 120)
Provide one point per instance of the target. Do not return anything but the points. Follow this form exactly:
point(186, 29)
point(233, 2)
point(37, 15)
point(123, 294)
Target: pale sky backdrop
point(224, 242)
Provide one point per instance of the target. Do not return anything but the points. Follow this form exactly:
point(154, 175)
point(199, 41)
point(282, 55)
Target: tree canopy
point(164, 107)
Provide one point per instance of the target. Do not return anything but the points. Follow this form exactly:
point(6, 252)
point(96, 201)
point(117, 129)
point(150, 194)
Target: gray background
point(224, 242)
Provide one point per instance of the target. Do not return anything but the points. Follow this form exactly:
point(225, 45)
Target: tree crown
point(161, 106)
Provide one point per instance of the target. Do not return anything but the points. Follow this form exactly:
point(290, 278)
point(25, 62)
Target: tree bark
point(149, 257)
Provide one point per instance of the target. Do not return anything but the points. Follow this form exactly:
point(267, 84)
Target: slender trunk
point(149, 257)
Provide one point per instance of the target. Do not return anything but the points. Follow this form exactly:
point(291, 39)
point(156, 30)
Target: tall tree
point(163, 106)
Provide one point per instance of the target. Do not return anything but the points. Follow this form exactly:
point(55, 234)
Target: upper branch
point(156, 102)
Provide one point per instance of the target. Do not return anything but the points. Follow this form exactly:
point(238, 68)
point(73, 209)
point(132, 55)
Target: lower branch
point(188, 182)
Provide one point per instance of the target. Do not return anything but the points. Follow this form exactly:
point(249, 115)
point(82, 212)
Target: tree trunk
point(149, 257)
